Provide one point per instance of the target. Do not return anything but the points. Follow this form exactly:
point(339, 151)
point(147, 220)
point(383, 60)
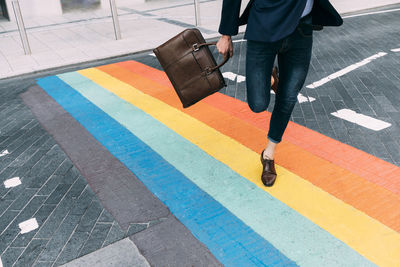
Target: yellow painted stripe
point(372, 239)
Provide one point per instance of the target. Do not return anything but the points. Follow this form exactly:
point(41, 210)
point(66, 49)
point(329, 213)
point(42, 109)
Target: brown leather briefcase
point(190, 66)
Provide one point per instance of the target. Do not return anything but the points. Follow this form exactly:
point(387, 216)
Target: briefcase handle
point(208, 70)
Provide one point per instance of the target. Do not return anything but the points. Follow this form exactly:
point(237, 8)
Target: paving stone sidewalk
point(81, 36)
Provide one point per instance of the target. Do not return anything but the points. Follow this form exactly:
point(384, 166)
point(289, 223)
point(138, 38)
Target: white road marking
point(152, 54)
point(346, 70)
point(395, 50)
point(240, 78)
point(360, 119)
point(232, 76)
point(229, 75)
point(28, 226)
point(371, 13)
point(237, 41)
point(13, 182)
point(301, 98)
point(1, 264)
point(3, 153)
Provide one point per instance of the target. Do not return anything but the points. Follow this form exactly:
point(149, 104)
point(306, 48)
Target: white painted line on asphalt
point(232, 76)
point(311, 99)
point(395, 50)
point(240, 78)
point(13, 182)
point(372, 13)
point(360, 119)
point(346, 70)
point(28, 226)
point(301, 98)
point(152, 54)
point(1, 264)
point(3, 153)
point(229, 75)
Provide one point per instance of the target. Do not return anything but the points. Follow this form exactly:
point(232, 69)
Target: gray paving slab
point(169, 243)
point(119, 254)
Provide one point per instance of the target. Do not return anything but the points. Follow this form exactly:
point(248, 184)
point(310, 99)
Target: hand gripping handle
point(196, 47)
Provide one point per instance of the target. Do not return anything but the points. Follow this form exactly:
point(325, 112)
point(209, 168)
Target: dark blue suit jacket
point(272, 20)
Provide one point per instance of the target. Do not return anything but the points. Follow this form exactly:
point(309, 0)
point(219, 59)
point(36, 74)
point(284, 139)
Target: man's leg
point(259, 62)
point(294, 61)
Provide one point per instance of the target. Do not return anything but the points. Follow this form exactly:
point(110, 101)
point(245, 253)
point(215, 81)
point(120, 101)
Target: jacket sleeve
point(324, 14)
point(229, 24)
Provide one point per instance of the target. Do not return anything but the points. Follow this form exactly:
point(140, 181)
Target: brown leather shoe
point(274, 86)
point(268, 175)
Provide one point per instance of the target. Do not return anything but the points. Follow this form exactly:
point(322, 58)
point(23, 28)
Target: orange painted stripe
point(374, 200)
point(357, 161)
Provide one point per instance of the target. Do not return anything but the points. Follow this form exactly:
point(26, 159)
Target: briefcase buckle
point(195, 47)
point(207, 71)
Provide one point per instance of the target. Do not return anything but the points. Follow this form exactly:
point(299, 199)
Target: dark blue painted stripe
point(227, 237)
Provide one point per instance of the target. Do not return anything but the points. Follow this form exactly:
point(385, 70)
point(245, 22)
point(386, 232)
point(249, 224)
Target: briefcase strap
point(208, 70)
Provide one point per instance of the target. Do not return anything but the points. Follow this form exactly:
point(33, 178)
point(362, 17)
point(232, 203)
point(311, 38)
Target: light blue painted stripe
point(228, 238)
point(290, 232)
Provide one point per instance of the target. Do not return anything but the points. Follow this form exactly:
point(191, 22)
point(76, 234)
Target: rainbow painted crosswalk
point(332, 204)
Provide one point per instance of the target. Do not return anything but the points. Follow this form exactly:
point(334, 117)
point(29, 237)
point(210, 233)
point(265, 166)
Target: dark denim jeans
point(294, 54)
